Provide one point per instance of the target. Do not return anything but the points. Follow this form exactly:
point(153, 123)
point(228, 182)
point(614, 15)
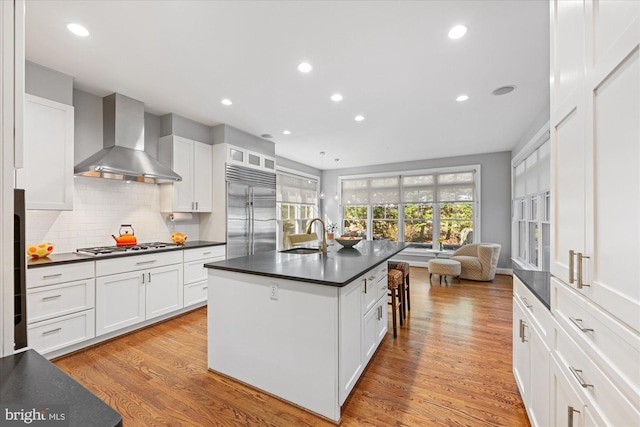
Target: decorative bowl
point(178, 238)
point(39, 250)
point(348, 242)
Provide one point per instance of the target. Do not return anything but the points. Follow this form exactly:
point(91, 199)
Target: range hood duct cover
point(123, 156)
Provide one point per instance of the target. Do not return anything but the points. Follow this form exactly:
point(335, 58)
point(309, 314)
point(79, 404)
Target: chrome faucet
point(323, 249)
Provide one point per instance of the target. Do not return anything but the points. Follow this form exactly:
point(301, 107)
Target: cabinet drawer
point(382, 283)
point(137, 262)
point(613, 347)
point(195, 293)
point(61, 332)
point(44, 276)
point(614, 406)
point(534, 308)
point(204, 253)
point(57, 300)
point(195, 271)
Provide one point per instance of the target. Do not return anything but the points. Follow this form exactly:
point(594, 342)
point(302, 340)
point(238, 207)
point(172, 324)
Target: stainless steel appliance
point(251, 211)
point(121, 250)
point(19, 272)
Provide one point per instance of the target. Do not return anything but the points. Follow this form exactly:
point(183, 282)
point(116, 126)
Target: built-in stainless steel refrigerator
point(251, 211)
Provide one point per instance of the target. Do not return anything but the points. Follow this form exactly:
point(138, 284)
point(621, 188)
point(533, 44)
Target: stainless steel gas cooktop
point(117, 250)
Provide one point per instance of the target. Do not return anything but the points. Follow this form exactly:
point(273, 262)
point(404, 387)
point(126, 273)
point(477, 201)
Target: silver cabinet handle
point(365, 286)
point(143, 278)
point(146, 262)
point(52, 331)
point(149, 277)
point(196, 205)
point(578, 323)
point(581, 284)
point(571, 253)
point(570, 411)
point(523, 325)
point(526, 303)
point(204, 288)
point(576, 373)
point(51, 276)
point(206, 253)
point(51, 297)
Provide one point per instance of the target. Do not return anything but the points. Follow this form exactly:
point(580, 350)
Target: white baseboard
point(506, 271)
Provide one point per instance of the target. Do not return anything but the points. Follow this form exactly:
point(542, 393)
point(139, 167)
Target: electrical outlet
point(274, 291)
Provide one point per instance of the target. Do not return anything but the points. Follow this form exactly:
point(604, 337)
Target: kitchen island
point(300, 326)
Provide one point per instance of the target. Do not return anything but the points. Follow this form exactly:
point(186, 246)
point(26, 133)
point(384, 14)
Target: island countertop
point(338, 268)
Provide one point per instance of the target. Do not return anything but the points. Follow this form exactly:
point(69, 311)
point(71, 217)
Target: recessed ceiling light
point(226, 102)
point(504, 90)
point(286, 132)
point(462, 98)
point(305, 67)
point(336, 97)
point(457, 32)
point(358, 118)
point(78, 30)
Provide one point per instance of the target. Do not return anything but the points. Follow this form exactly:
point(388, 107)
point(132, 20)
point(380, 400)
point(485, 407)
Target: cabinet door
point(566, 406)
point(538, 404)
point(351, 342)
point(183, 166)
point(120, 301)
point(164, 291)
point(521, 351)
point(47, 175)
point(202, 176)
point(370, 326)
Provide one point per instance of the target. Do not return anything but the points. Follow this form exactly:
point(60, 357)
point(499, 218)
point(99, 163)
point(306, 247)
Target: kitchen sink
point(301, 251)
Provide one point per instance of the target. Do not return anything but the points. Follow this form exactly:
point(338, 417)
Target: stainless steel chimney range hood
point(123, 156)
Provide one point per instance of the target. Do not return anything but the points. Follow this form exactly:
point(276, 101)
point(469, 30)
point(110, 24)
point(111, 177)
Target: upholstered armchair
point(478, 260)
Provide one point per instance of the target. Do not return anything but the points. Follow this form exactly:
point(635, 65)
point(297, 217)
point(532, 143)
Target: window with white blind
point(297, 203)
point(417, 206)
point(531, 213)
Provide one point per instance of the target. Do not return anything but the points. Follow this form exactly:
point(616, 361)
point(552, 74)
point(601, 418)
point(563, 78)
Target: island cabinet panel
point(287, 346)
point(351, 337)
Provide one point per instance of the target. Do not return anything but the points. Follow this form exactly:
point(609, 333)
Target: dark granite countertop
point(538, 282)
point(339, 267)
point(70, 257)
point(31, 383)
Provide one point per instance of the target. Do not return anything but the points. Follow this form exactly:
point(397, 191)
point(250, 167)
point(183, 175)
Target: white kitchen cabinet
point(595, 152)
point(351, 337)
point(47, 175)
point(132, 289)
point(243, 157)
point(195, 274)
point(192, 160)
point(60, 306)
point(531, 353)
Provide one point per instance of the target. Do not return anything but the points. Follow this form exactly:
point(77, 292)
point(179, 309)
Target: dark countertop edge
point(73, 257)
point(303, 279)
point(29, 379)
point(536, 277)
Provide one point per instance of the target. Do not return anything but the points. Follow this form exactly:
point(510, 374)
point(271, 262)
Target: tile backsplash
point(100, 206)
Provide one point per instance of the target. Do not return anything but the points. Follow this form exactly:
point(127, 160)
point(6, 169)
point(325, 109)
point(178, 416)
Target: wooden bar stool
point(395, 285)
point(406, 299)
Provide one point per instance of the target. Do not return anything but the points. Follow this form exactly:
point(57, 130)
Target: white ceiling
point(391, 60)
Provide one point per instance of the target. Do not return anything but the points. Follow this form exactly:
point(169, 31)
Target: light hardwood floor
point(449, 366)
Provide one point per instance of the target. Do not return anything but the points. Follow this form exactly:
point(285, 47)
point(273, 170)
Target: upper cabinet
point(47, 175)
point(595, 94)
point(192, 160)
point(243, 157)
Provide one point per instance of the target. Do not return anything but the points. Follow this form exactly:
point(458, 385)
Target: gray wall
point(495, 212)
point(173, 124)
point(47, 83)
point(291, 164)
point(230, 135)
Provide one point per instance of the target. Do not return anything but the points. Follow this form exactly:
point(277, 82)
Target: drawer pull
point(52, 331)
point(570, 411)
point(206, 253)
point(51, 276)
point(526, 303)
point(146, 262)
point(51, 297)
point(576, 373)
point(578, 323)
point(204, 288)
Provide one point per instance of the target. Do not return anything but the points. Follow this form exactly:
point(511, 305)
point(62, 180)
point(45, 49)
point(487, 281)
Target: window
point(417, 207)
point(532, 208)
point(297, 200)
